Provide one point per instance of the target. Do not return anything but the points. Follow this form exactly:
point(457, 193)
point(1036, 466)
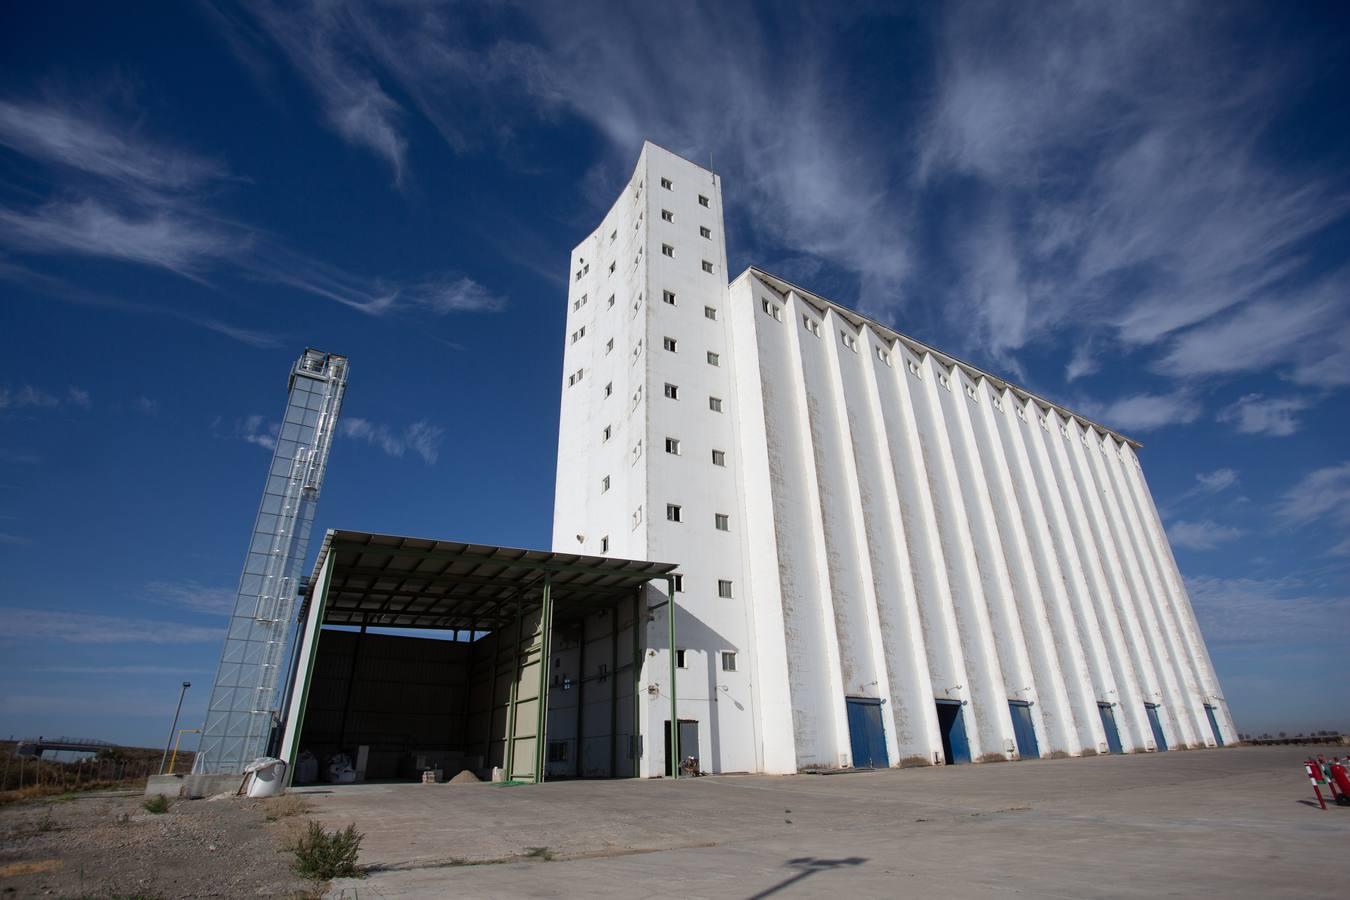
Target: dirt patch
point(103, 847)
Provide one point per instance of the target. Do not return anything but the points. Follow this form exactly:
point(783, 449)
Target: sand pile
point(465, 777)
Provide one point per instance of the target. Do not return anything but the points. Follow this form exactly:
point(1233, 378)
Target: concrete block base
point(192, 787)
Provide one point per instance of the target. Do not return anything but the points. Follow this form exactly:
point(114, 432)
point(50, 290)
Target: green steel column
point(637, 682)
point(674, 711)
point(509, 754)
point(545, 633)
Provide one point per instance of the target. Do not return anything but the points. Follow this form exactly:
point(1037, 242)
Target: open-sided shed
point(529, 629)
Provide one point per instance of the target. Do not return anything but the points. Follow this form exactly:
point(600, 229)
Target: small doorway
point(955, 745)
point(1027, 747)
point(1214, 724)
point(1109, 726)
point(688, 744)
point(1156, 724)
point(866, 736)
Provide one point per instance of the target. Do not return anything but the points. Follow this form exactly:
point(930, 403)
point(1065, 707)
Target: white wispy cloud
point(90, 628)
point(29, 397)
point(1218, 480)
point(1205, 535)
point(145, 406)
point(149, 204)
point(192, 595)
point(1145, 412)
point(420, 437)
point(257, 430)
point(1258, 414)
point(13, 539)
point(1322, 495)
point(1274, 610)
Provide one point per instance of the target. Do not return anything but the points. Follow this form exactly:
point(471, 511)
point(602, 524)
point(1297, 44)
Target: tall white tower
point(647, 461)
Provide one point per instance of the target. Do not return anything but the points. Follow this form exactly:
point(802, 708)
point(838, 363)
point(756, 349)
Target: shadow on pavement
point(807, 866)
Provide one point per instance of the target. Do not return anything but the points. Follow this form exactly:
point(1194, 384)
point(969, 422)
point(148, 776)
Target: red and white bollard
point(1315, 776)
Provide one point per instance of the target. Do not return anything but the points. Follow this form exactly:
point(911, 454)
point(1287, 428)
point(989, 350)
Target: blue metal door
point(1214, 724)
point(866, 736)
point(1109, 724)
point(955, 745)
point(1156, 724)
point(1027, 748)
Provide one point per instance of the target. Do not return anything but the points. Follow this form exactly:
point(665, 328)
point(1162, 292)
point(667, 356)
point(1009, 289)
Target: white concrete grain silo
point(888, 556)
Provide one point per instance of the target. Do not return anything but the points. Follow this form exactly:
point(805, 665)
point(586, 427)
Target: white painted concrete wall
point(901, 526)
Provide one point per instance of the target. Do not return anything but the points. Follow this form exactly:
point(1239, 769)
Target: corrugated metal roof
point(406, 582)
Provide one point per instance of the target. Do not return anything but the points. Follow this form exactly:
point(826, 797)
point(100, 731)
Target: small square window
point(723, 588)
point(719, 457)
point(609, 388)
point(707, 266)
point(614, 234)
point(604, 544)
point(679, 659)
point(666, 183)
point(715, 404)
point(722, 521)
point(672, 391)
point(668, 297)
point(609, 346)
point(884, 356)
point(607, 433)
point(579, 334)
point(612, 267)
point(670, 344)
point(673, 445)
point(575, 377)
point(702, 200)
point(714, 359)
point(849, 340)
point(667, 215)
point(710, 312)
point(667, 250)
point(704, 231)
point(679, 583)
point(728, 661)
point(610, 302)
point(579, 303)
point(811, 325)
point(674, 513)
point(773, 309)
point(604, 484)
point(637, 517)
point(557, 751)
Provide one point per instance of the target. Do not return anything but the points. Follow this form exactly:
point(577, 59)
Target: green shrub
point(324, 855)
point(157, 805)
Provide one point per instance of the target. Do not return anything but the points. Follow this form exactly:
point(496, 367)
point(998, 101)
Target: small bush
point(323, 855)
point(157, 805)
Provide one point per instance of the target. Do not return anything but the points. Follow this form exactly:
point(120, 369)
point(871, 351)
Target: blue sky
point(1139, 210)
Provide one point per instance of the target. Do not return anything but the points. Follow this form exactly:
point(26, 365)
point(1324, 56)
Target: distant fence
point(36, 775)
point(1300, 739)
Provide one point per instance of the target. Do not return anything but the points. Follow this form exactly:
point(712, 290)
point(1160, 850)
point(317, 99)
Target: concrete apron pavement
point(1232, 822)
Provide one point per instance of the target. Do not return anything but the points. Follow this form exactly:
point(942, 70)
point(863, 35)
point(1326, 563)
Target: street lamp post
point(174, 728)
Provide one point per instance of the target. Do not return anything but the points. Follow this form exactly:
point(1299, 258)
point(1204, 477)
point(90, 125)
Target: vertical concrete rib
point(1055, 558)
point(946, 662)
point(1177, 653)
point(912, 712)
point(1135, 598)
point(855, 604)
point(987, 509)
point(829, 744)
point(988, 686)
point(1132, 672)
point(1025, 606)
point(1133, 476)
point(1141, 643)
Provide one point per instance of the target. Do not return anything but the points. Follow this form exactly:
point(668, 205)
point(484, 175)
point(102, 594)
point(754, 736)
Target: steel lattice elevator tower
point(240, 714)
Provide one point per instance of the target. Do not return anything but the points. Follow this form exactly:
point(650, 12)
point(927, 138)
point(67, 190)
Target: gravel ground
point(107, 847)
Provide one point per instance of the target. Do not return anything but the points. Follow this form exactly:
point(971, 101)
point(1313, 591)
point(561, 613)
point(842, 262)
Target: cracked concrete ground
point(1235, 822)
